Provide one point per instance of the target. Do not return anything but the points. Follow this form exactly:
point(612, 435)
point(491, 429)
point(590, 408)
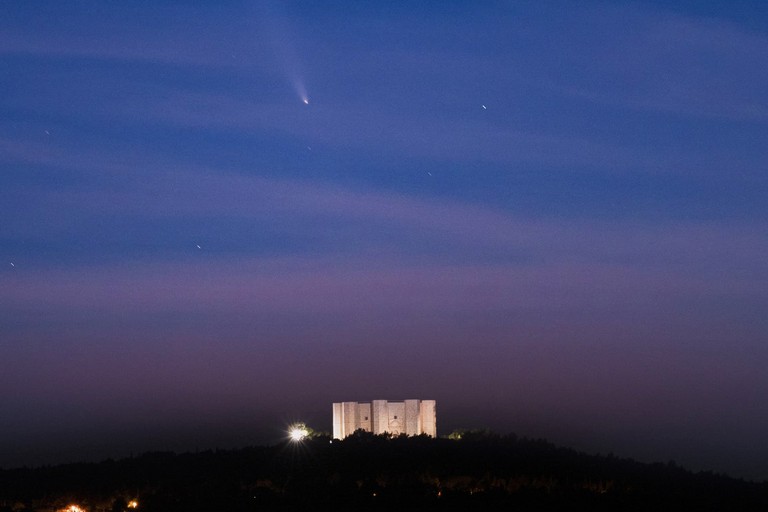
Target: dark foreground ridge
point(479, 471)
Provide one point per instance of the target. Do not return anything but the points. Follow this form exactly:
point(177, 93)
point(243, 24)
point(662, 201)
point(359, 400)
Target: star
point(199, 247)
point(484, 107)
point(12, 264)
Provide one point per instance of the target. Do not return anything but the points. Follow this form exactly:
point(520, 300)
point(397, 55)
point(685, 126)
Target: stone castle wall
point(411, 417)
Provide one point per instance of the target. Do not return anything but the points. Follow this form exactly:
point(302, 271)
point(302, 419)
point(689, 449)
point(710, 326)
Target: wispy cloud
point(107, 184)
point(669, 63)
point(162, 37)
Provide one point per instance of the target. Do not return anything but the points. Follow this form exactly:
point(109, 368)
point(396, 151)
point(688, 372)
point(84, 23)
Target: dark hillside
point(480, 471)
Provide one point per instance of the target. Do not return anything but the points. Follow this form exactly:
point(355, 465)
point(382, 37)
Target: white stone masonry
point(411, 417)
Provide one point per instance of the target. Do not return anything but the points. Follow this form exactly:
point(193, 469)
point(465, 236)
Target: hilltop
point(477, 470)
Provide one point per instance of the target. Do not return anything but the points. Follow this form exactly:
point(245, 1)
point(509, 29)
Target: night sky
point(550, 217)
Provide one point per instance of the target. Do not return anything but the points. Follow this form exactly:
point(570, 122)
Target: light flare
point(298, 432)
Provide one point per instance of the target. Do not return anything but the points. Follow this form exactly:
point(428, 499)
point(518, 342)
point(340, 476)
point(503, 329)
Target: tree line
point(477, 470)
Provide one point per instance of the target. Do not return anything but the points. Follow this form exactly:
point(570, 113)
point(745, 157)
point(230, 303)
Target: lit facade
point(410, 417)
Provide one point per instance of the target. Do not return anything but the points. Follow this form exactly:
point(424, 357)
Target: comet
point(278, 36)
point(298, 86)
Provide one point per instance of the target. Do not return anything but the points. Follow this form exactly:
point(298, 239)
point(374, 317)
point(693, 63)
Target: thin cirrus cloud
point(206, 192)
point(659, 45)
point(345, 126)
point(363, 283)
point(131, 37)
point(554, 259)
point(143, 191)
point(663, 63)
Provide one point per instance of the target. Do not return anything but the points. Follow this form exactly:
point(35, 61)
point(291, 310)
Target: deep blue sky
point(550, 217)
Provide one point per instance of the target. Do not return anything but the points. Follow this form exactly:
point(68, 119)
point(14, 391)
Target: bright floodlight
point(298, 432)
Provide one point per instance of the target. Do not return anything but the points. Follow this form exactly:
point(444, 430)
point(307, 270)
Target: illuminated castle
point(410, 417)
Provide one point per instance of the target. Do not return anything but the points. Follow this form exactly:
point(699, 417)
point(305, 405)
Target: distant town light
point(133, 504)
point(73, 508)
